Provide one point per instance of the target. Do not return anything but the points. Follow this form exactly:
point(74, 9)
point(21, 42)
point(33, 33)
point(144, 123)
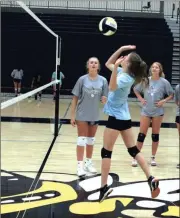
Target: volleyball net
point(28, 133)
point(30, 123)
point(35, 59)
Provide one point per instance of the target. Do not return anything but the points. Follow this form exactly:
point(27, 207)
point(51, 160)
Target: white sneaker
point(88, 166)
point(153, 162)
point(134, 163)
point(80, 171)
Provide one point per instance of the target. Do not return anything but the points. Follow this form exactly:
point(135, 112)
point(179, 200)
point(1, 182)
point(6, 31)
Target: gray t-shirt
point(89, 93)
point(155, 92)
point(17, 74)
point(177, 98)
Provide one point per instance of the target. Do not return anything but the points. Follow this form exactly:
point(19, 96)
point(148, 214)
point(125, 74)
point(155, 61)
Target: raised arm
point(111, 61)
point(113, 80)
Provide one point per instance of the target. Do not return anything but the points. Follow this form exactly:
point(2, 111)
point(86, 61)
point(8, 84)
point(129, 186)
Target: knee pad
point(141, 137)
point(133, 151)
point(155, 137)
point(105, 153)
point(81, 141)
point(90, 140)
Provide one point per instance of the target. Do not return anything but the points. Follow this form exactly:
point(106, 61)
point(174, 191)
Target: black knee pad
point(141, 137)
point(105, 153)
point(155, 137)
point(133, 151)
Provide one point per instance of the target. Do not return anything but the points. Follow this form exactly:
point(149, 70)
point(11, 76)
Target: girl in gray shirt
point(89, 90)
point(152, 107)
point(17, 77)
point(177, 100)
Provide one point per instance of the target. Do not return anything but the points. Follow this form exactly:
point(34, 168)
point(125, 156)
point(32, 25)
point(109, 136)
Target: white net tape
point(26, 95)
point(36, 18)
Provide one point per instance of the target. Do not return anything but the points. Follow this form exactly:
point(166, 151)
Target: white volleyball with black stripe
point(108, 26)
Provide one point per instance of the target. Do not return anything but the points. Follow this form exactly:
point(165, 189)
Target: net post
point(58, 70)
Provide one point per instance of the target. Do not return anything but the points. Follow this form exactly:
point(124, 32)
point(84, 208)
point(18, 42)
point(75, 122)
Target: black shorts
point(157, 116)
point(177, 119)
point(92, 123)
point(17, 80)
point(119, 125)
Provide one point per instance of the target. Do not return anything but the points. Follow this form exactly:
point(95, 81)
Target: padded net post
point(58, 69)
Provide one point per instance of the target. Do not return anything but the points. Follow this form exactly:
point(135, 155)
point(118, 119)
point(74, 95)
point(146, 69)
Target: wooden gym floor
point(39, 179)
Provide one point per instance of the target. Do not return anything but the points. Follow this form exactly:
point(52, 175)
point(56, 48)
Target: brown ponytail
point(138, 68)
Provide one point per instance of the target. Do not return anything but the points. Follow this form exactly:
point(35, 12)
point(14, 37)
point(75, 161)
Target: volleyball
point(108, 26)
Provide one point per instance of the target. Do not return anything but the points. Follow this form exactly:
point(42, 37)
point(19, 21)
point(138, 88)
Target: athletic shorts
point(153, 117)
point(119, 125)
point(157, 116)
point(17, 80)
point(177, 119)
point(90, 123)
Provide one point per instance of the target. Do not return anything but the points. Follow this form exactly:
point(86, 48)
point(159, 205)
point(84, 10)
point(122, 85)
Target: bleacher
point(88, 24)
point(82, 39)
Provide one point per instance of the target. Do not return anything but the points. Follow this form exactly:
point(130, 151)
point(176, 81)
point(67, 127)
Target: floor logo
point(80, 198)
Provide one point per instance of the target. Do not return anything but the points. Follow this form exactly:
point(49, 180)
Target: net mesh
point(34, 51)
point(30, 113)
point(27, 132)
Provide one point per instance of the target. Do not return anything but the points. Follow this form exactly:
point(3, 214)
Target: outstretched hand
point(128, 47)
point(119, 61)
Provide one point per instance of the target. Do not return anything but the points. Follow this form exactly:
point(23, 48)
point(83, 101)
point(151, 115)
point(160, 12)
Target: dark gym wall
point(34, 52)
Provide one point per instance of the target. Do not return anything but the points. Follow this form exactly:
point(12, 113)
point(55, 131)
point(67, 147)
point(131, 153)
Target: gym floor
point(39, 178)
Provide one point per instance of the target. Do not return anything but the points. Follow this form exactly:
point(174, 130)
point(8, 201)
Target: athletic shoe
point(104, 193)
point(153, 162)
point(80, 171)
point(134, 163)
point(88, 166)
point(154, 186)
